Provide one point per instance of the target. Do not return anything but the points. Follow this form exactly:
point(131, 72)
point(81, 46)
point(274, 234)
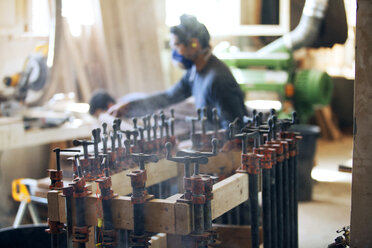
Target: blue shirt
point(212, 87)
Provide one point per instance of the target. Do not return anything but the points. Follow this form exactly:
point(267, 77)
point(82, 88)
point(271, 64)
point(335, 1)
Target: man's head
point(100, 102)
point(190, 38)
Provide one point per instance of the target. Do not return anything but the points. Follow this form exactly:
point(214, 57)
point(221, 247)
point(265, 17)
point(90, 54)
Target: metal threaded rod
point(295, 201)
point(274, 204)
point(266, 207)
point(279, 194)
point(286, 224)
point(253, 199)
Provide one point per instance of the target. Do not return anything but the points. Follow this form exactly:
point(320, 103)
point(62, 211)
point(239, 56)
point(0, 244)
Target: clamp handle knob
point(58, 151)
point(201, 154)
point(186, 159)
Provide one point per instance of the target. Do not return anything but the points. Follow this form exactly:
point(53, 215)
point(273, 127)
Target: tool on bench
point(80, 192)
point(139, 238)
point(109, 239)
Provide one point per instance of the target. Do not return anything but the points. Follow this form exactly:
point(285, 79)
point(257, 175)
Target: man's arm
point(148, 105)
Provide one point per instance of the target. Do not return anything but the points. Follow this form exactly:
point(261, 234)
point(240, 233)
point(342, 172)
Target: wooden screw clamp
point(55, 179)
point(55, 227)
point(138, 198)
point(279, 150)
point(109, 238)
point(138, 181)
point(81, 230)
point(56, 175)
point(197, 189)
point(105, 186)
point(80, 189)
point(268, 156)
point(250, 163)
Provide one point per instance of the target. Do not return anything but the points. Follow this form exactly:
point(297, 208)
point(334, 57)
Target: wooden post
point(361, 214)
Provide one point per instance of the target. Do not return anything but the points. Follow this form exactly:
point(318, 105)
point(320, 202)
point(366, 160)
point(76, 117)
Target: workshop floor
point(330, 207)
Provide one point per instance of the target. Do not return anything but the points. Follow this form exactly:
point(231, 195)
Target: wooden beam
point(156, 173)
point(229, 193)
point(13, 135)
point(160, 215)
point(168, 216)
point(55, 212)
point(224, 162)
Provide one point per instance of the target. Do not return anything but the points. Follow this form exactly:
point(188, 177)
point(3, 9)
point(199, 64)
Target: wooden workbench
point(13, 135)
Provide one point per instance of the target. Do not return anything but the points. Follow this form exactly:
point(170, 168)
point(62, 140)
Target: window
point(224, 17)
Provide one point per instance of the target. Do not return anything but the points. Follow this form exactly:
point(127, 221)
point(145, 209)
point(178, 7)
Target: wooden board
point(156, 173)
point(55, 202)
point(229, 193)
point(160, 215)
point(13, 135)
point(223, 163)
point(168, 216)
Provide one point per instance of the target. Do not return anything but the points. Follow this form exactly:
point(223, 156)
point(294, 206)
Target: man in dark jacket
point(207, 79)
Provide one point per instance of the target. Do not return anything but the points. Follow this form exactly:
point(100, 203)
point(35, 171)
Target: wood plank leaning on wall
point(132, 45)
point(119, 52)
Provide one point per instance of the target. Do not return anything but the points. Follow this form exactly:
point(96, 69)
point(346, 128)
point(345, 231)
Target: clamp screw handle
point(201, 154)
point(58, 151)
point(85, 144)
point(104, 127)
point(134, 122)
point(186, 159)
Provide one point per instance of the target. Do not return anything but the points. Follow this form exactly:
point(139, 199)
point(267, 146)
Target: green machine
point(273, 69)
point(300, 90)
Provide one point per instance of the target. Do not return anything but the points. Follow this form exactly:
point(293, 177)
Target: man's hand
point(119, 110)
